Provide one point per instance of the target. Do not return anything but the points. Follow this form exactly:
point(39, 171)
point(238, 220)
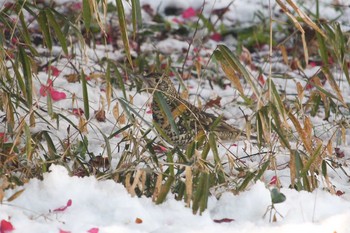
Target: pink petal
point(78, 111)
point(77, 6)
point(60, 209)
point(93, 230)
point(6, 226)
point(43, 90)
point(54, 71)
point(261, 80)
point(3, 137)
point(216, 37)
point(57, 95)
point(189, 13)
point(63, 231)
point(176, 20)
point(273, 180)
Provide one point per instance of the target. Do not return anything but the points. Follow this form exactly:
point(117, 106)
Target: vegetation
point(37, 37)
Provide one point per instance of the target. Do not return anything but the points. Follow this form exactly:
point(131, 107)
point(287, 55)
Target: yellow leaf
point(300, 91)
point(232, 76)
point(284, 54)
point(82, 125)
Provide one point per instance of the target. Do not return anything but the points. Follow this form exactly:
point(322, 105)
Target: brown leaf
point(213, 102)
point(100, 115)
point(284, 54)
point(300, 91)
point(15, 195)
point(100, 162)
point(245, 56)
point(303, 135)
point(138, 221)
point(120, 118)
point(72, 78)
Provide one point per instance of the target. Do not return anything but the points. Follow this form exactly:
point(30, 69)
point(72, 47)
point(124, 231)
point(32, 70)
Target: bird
point(187, 123)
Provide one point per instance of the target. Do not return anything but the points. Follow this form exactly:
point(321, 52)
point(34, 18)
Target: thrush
point(180, 122)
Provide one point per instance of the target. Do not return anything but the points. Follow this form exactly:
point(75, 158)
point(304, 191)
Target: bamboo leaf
point(159, 98)
point(44, 26)
point(136, 16)
point(50, 145)
point(165, 190)
point(61, 38)
point(119, 131)
point(201, 192)
point(27, 74)
point(123, 29)
point(234, 62)
point(87, 14)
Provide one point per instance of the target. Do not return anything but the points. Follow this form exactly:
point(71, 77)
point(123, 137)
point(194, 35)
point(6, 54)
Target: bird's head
point(159, 82)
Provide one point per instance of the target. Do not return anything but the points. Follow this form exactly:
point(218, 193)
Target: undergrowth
point(36, 36)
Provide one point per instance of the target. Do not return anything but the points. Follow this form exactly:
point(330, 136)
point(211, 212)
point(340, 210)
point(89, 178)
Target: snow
point(107, 206)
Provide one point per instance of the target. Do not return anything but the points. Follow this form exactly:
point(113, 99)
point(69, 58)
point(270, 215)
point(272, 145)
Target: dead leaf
point(100, 162)
point(72, 78)
point(213, 102)
point(120, 118)
point(100, 115)
point(223, 220)
point(189, 191)
point(82, 125)
point(138, 221)
point(15, 195)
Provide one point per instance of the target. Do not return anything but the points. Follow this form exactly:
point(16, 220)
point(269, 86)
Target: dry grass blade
point(298, 26)
point(304, 135)
point(304, 17)
point(189, 183)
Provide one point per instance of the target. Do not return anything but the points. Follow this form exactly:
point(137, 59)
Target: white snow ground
point(104, 206)
point(107, 206)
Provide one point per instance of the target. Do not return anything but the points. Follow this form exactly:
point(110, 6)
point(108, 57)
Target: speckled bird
point(189, 122)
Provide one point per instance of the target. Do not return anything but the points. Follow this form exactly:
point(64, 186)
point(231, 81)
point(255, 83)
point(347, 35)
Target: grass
point(132, 152)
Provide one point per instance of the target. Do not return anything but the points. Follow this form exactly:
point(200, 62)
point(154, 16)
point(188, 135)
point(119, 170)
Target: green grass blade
point(85, 95)
point(108, 145)
point(128, 109)
point(119, 77)
point(50, 145)
point(119, 131)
